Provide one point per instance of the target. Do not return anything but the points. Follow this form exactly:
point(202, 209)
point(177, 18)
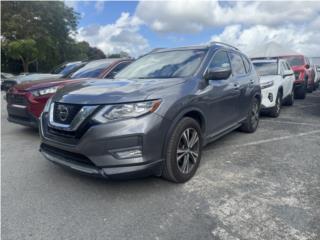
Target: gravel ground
point(264, 185)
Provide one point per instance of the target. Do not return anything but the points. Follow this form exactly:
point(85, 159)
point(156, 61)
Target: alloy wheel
point(188, 150)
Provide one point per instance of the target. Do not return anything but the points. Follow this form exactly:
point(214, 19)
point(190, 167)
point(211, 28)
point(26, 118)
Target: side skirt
point(220, 134)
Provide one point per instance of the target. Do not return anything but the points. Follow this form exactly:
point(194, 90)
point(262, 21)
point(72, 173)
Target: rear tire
point(300, 92)
point(275, 111)
point(290, 99)
point(183, 151)
point(251, 123)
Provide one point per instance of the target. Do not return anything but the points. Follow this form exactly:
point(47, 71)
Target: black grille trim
point(66, 155)
point(73, 109)
point(16, 99)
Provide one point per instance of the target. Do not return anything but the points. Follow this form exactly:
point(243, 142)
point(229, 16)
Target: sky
point(137, 27)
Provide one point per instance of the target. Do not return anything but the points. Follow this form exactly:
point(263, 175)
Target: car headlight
point(45, 91)
point(47, 106)
point(266, 84)
point(125, 111)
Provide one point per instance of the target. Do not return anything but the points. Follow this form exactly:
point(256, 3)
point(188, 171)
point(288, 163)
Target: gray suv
point(155, 116)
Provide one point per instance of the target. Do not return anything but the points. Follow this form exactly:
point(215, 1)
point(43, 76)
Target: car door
point(286, 79)
point(242, 83)
point(220, 96)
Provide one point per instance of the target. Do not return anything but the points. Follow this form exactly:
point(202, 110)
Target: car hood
point(36, 77)
point(113, 90)
point(268, 78)
point(47, 83)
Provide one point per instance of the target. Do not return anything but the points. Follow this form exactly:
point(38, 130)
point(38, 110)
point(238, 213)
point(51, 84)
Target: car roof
point(265, 60)
point(200, 47)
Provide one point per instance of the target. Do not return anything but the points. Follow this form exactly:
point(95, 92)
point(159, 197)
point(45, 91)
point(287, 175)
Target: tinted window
point(92, 69)
point(66, 69)
point(266, 68)
point(117, 69)
point(169, 64)
point(237, 64)
point(288, 66)
point(246, 64)
point(220, 60)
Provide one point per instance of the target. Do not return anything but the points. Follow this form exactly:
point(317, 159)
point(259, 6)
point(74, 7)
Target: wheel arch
point(192, 112)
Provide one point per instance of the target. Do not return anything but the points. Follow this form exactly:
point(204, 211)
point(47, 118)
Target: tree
point(24, 50)
point(50, 24)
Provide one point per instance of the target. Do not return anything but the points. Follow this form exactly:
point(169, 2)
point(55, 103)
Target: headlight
point(47, 106)
point(125, 111)
point(45, 91)
point(266, 84)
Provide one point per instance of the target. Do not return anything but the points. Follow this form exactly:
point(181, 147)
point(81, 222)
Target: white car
point(277, 84)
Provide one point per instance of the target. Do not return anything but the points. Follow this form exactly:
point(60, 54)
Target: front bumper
point(269, 96)
point(19, 113)
point(94, 152)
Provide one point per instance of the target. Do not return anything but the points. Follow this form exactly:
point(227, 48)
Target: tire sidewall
point(172, 148)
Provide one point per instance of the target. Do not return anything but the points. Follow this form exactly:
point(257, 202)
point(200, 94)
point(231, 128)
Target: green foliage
point(24, 50)
point(45, 27)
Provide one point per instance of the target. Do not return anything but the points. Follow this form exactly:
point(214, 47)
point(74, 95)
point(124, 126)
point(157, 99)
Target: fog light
point(134, 153)
point(270, 96)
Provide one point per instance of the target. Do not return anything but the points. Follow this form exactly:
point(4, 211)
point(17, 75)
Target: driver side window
point(220, 60)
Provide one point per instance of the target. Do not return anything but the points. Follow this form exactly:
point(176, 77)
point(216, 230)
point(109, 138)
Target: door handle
point(236, 86)
point(251, 81)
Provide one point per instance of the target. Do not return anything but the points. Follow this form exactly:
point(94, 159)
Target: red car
point(304, 74)
point(25, 102)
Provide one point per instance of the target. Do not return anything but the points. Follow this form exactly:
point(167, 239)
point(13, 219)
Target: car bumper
point(19, 114)
point(96, 151)
point(269, 96)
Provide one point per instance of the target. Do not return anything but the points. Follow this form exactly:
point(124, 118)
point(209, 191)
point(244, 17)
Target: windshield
point(266, 68)
point(66, 69)
point(295, 60)
point(92, 69)
point(171, 64)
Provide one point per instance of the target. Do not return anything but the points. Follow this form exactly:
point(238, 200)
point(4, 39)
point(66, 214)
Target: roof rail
point(155, 50)
point(223, 44)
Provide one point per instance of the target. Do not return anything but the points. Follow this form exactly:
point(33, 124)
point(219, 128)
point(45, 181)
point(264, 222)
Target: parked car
point(315, 64)
point(155, 116)
point(303, 73)
point(5, 76)
point(277, 84)
point(26, 101)
point(62, 71)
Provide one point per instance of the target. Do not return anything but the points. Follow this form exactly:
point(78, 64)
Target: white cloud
point(297, 38)
point(99, 6)
point(123, 35)
point(189, 16)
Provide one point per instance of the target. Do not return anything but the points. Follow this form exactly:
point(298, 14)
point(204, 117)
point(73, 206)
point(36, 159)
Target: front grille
point(297, 74)
point(66, 155)
point(16, 99)
point(65, 113)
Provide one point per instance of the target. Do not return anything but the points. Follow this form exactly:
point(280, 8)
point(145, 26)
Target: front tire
point(300, 92)
point(275, 111)
point(183, 151)
point(251, 123)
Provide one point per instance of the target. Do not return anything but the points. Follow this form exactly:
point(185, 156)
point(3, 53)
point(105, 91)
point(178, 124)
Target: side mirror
point(307, 66)
point(287, 73)
point(217, 73)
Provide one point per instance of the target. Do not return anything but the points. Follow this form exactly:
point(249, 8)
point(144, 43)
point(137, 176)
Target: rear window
point(266, 68)
point(295, 60)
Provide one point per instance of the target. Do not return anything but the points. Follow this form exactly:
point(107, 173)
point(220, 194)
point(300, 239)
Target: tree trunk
point(25, 65)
